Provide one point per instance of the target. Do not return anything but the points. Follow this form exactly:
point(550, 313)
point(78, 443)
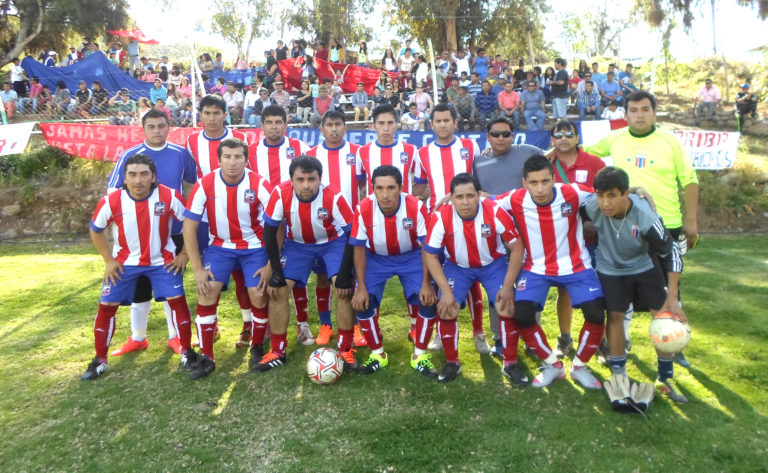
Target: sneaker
point(548, 374)
point(585, 377)
point(350, 363)
point(202, 368)
point(129, 346)
point(516, 375)
point(436, 344)
point(681, 360)
point(95, 369)
point(324, 335)
point(564, 346)
point(268, 361)
point(481, 344)
point(175, 345)
point(497, 350)
point(189, 359)
point(359, 339)
point(450, 372)
point(257, 353)
point(412, 336)
point(304, 335)
point(244, 339)
point(669, 387)
point(374, 363)
point(423, 364)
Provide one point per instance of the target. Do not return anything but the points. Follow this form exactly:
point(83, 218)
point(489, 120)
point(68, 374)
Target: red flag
point(134, 33)
point(353, 74)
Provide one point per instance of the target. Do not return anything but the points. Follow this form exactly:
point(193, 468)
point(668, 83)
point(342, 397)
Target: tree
point(333, 19)
point(239, 22)
point(29, 25)
point(656, 11)
point(604, 25)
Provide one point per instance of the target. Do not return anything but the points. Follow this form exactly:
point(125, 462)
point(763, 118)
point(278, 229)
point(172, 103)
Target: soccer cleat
point(350, 363)
point(374, 363)
point(175, 345)
point(304, 335)
point(202, 368)
point(359, 339)
point(564, 346)
point(189, 359)
point(585, 377)
point(269, 361)
point(244, 339)
point(449, 373)
point(95, 369)
point(257, 353)
point(669, 387)
point(423, 364)
point(324, 335)
point(129, 346)
point(481, 344)
point(412, 336)
point(548, 374)
point(516, 375)
point(436, 344)
point(681, 360)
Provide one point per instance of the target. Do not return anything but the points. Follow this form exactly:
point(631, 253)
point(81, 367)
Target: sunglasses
point(498, 133)
point(567, 134)
point(531, 85)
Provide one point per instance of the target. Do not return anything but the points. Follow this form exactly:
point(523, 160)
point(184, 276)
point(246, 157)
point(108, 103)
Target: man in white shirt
point(18, 77)
point(234, 99)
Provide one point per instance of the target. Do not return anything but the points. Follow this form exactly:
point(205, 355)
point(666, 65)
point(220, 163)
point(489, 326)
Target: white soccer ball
point(324, 366)
point(669, 334)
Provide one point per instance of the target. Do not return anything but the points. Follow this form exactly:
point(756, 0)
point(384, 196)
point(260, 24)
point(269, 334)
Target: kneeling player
point(316, 218)
point(473, 231)
point(140, 214)
point(391, 224)
point(627, 228)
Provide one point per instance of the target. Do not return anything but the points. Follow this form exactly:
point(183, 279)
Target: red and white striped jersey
point(234, 213)
point(438, 164)
point(341, 169)
point(400, 155)
point(140, 228)
point(204, 149)
point(272, 162)
point(552, 234)
point(471, 243)
point(315, 222)
point(393, 234)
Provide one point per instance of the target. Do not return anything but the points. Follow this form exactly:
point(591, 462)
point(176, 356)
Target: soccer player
point(548, 216)
point(473, 231)
point(436, 164)
point(387, 234)
point(204, 145)
point(627, 228)
point(232, 199)
point(140, 214)
point(656, 161)
point(316, 218)
point(174, 166)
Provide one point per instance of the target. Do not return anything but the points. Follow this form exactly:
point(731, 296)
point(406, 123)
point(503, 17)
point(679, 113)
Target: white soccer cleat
point(481, 344)
point(548, 374)
point(584, 377)
point(304, 335)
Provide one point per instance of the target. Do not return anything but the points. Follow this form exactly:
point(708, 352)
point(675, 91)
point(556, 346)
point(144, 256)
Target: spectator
point(321, 52)
point(142, 109)
point(44, 100)
point(626, 80)
point(9, 98)
point(406, 46)
point(296, 49)
point(250, 99)
point(279, 96)
point(146, 64)
point(583, 69)
point(588, 100)
point(614, 111)
point(574, 82)
point(499, 85)
point(453, 92)
point(559, 90)
point(609, 89)
point(462, 62)
point(381, 84)
point(534, 105)
point(258, 107)
point(281, 52)
point(405, 66)
point(336, 54)
point(421, 71)
point(242, 62)
point(710, 100)
point(486, 104)
point(72, 57)
point(83, 99)
point(270, 66)
point(509, 104)
point(160, 105)
point(218, 63)
point(206, 63)
point(334, 90)
point(174, 104)
point(580, 86)
point(34, 94)
point(125, 108)
point(474, 87)
point(158, 92)
point(481, 63)
point(597, 77)
point(62, 99)
point(100, 99)
point(391, 97)
point(18, 77)
point(413, 120)
point(304, 101)
point(465, 109)
point(746, 103)
point(498, 65)
point(133, 53)
point(377, 98)
point(162, 74)
point(50, 61)
point(220, 87)
point(546, 82)
point(362, 54)
point(321, 105)
point(422, 100)
point(465, 81)
point(360, 102)
point(185, 88)
point(234, 99)
point(388, 62)
point(149, 75)
point(174, 78)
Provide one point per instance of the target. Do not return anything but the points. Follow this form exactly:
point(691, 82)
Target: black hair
point(611, 178)
point(639, 95)
point(384, 108)
point(589, 82)
point(500, 120)
point(61, 84)
point(564, 125)
point(444, 107)
point(560, 61)
point(387, 170)
point(537, 162)
point(140, 159)
point(333, 114)
point(213, 101)
point(154, 113)
point(274, 111)
point(232, 143)
point(464, 178)
point(307, 164)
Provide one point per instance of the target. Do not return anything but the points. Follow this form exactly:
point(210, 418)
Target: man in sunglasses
point(534, 105)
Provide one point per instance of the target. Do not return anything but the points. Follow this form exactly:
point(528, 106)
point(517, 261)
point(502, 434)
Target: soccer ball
point(669, 334)
point(324, 366)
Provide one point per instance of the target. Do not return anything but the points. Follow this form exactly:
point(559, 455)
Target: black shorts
point(143, 292)
point(644, 290)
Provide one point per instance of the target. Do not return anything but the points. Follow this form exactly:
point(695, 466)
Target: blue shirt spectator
point(158, 92)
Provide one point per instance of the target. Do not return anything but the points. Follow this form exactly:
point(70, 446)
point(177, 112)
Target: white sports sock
point(418, 352)
point(628, 320)
point(169, 320)
point(139, 319)
point(247, 315)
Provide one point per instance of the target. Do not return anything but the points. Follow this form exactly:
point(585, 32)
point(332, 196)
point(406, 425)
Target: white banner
point(710, 150)
point(14, 138)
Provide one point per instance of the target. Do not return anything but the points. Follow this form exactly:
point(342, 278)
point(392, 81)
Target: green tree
point(327, 20)
point(656, 11)
point(239, 22)
point(30, 25)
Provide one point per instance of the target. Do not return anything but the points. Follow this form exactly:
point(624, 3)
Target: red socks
point(300, 303)
point(449, 334)
point(535, 338)
point(371, 331)
point(181, 319)
point(103, 328)
point(323, 295)
point(346, 337)
point(259, 325)
point(476, 308)
point(510, 336)
point(277, 342)
point(206, 328)
point(424, 329)
point(589, 340)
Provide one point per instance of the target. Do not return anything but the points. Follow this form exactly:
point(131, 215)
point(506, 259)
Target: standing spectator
point(710, 100)
point(613, 111)
point(321, 105)
point(50, 61)
point(583, 69)
point(304, 102)
point(234, 99)
point(462, 62)
point(559, 90)
point(133, 53)
point(72, 57)
point(546, 82)
point(34, 94)
point(100, 98)
point(158, 91)
point(321, 52)
point(336, 53)
point(125, 108)
point(498, 65)
point(280, 96)
point(388, 62)
point(405, 65)
point(481, 63)
point(609, 89)
point(360, 102)
point(407, 45)
point(18, 77)
point(83, 99)
point(270, 66)
point(465, 109)
point(487, 105)
point(242, 62)
point(589, 100)
point(362, 54)
point(509, 104)
point(413, 120)
point(534, 105)
point(421, 71)
point(281, 52)
point(62, 99)
point(9, 98)
point(297, 50)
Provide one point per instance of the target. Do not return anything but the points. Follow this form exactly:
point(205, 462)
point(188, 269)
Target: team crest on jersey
point(581, 175)
point(159, 208)
point(106, 288)
point(635, 231)
point(283, 259)
point(640, 160)
point(351, 159)
point(207, 266)
point(464, 153)
point(485, 230)
point(451, 282)
point(404, 158)
point(407, 223)
point(566, 209)
point(290, 153)
point(322, 213)
point(249, 196)
point(521, 283)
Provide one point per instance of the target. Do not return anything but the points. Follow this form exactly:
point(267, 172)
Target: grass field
point(145, 415)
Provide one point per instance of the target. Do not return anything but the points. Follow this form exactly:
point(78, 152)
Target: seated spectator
point(218, 63)
point(359, 101)
point(44, 100)
point(487, 105)
point(100, 99)
point(452, 92)
point(413, 120)
point(509, 104)
point(588, 100)
point(574, 81)
point(124, 107)
point(34, 93)
point(149, 75)
point(381, 84)
point(220, 87)
point(185, 88)
point(304, 102)
point(258, 107)
point(158, 91)
point(249, 100)
point(610, 89)
point(390, 97)
point(378, 98)
point(315, 87)
point(242, 62)
point(9, 98)
point(465, 109)
point(321, 105)
point(62, 99)
point(162, 73)
point(422, 100)
point(614, 111)
point(280, 97)
point(174, 78)
point(185, 114)
point(143, 107)
point(746, 103)
point(534, 106)
point(174, 105)
point(710, 100)
point(234, 99)
point(83, 100)
point(475, 86)
point(499, 84)
point(160, 105)
point(626, 80)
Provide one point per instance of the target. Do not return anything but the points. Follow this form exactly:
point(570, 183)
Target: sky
point(638, 42)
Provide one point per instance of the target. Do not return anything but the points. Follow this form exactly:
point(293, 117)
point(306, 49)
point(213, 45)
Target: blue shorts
point(221, 261)
point(203, 237)
point(583, 286)
point(379, 269)
point(491, 276)
point(298, 258)
point(165, 285)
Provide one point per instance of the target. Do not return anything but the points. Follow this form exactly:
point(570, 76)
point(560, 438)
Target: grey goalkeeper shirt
point(502, 173)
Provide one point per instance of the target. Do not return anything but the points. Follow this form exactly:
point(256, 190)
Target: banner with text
point(710, 150)
point(14, 138)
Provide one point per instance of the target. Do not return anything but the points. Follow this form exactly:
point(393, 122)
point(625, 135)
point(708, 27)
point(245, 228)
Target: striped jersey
point(393, 234)
point(401, 155)
point(272, 162)
point(140, 228)
point(438, 164)
point(204, 149)
point(234, 212)
point(340, 169)
point(471, 243)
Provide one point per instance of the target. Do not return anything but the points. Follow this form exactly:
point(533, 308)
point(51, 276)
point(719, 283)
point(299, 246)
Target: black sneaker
point(257, 353)
point(202, 368)
point(516, 375)
point(564, 346)
point(269, 361)
point(95, 369)
point(189, 359)
point(350, 363)
point(450, 371)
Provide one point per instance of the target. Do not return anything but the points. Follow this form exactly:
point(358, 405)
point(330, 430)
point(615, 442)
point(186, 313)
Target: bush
point(42, 163)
